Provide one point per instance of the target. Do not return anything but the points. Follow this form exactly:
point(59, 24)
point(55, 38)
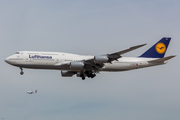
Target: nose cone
point(7, 60)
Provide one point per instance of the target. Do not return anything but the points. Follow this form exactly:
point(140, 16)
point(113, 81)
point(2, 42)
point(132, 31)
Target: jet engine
point(76, 65)
point(101, 59)
point(67, 73)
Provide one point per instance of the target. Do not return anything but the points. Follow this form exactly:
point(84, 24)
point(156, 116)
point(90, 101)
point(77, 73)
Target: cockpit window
point(17, 53)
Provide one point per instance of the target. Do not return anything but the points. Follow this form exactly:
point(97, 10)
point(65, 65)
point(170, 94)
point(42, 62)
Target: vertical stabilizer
point(158, 50)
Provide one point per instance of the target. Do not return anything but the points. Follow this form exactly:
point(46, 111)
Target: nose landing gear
point(21, 71)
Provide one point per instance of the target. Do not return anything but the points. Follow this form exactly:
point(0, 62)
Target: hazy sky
point(89, 27)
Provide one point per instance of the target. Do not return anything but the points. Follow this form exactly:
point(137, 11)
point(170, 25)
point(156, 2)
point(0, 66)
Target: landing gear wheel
point(21, 73)
point(93, 75)
point(83, 78)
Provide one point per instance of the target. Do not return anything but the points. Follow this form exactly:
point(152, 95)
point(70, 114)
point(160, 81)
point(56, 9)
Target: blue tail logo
point(158, 50)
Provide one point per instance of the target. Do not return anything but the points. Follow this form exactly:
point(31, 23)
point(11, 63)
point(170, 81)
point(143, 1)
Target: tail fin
point(158, 50)
point(35, 91)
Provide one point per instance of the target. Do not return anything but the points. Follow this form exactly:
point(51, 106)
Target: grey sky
point(89, 27)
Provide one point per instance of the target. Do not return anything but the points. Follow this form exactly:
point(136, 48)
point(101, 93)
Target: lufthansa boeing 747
point(88, 66)
point(31, 92)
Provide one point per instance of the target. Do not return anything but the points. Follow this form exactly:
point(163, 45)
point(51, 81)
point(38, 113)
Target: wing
point(64, 65)
point(97, 62)
point(116, 55)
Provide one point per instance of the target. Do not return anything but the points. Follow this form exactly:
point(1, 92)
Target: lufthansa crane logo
point(160, 48)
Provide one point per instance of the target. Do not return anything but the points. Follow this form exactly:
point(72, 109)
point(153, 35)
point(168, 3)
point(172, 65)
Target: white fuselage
point(52, 60)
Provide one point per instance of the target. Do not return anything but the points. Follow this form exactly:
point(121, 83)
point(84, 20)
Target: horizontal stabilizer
point(162, 59)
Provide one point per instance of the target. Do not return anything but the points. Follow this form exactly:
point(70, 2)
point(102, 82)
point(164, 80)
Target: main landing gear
point(82, 76)
point(21, 71)
point(89, 74)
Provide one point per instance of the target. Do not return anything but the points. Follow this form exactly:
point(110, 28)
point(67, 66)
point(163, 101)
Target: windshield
point(17, 53)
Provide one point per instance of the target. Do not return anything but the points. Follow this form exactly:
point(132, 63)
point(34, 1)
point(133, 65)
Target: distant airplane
point(88, 66)
point(31, 92)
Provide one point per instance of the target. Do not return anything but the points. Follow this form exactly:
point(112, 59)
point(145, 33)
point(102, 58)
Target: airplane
point(88, 66)
point(31, 92)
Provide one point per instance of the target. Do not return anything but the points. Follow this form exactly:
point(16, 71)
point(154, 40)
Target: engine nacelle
point(76, 65)
point(67, 73)
point(101, 59)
